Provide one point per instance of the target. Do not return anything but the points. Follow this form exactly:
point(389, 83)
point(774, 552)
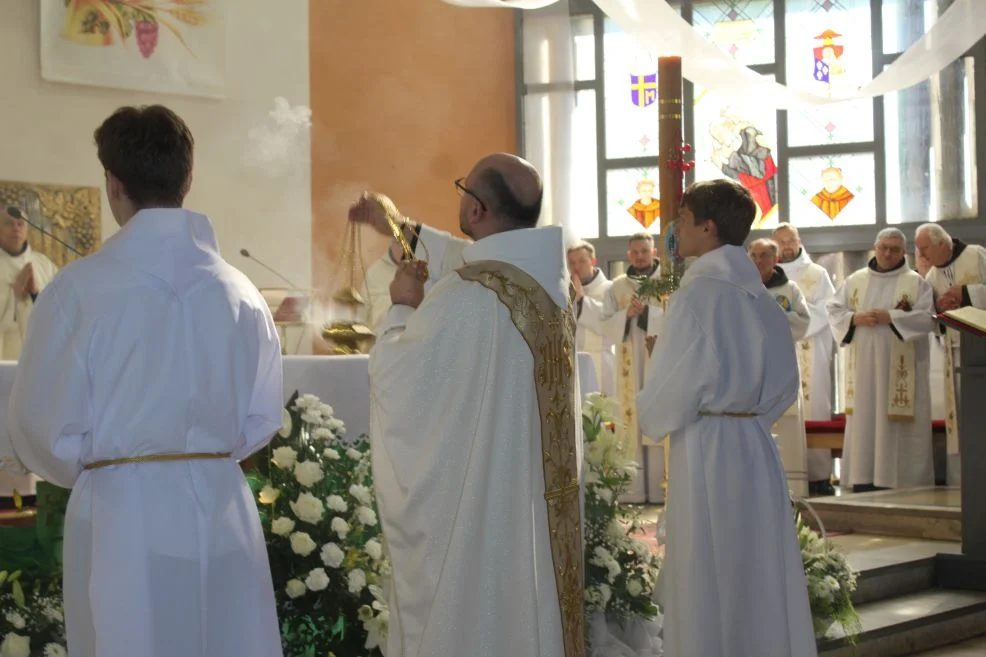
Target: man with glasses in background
point(883, 314)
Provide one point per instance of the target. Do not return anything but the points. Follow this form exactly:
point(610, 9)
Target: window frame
point(822, 239)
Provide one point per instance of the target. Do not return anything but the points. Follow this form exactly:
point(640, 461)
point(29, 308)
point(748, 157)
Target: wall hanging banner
point(653, 22)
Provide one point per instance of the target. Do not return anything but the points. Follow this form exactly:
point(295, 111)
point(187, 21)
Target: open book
point(966, 319)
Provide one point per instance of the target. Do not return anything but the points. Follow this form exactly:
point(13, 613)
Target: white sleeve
point(590, 315)
point(441, 250)
point(48, 419)
point(916, 323)
point(677, 376)
point(655, 320)
point(799, 317)
point(612, 320)
point(824, 290)
point(265, 413)
point(840, 316)
point(977, 291)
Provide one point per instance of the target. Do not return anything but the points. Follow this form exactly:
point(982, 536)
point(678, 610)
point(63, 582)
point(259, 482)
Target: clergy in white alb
point(732, 583)
point(631, 320)
point(24, 273)
point(152, 368)
point(816, 350)
point(958, 278)
point(591, 286)
point(790, 428)
point(883, 314)
point(475, 429)
point(376, 287)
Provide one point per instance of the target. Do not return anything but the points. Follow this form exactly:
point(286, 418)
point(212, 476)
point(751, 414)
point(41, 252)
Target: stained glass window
point(832, 191)
point(906, 21)
point(631, 96)
point(574, 166)
point(737, 138)
point(632, 204)
point(829, 52)
point(930, 148)
point(742, 28)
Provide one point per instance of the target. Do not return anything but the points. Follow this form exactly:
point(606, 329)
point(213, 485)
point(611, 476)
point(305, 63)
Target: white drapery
point(655, 21)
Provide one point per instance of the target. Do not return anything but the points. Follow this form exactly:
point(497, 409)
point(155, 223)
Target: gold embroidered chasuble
point(900, 401)
point(549, 331)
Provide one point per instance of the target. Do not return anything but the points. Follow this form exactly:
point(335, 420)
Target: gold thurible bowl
point(348, 337)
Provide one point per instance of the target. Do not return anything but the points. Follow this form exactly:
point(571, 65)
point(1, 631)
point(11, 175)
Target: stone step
point(908, 624)
point(930, 514)
point(890, 567)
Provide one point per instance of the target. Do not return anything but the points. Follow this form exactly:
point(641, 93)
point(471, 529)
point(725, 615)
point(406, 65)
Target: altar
point(342, 382)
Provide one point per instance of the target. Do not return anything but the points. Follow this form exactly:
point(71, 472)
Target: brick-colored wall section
point(406, 95)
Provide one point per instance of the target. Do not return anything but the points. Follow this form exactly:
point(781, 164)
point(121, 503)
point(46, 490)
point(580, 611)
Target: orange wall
point(406, 95)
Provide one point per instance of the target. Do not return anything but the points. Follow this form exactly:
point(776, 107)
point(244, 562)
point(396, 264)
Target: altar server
point(152, 368)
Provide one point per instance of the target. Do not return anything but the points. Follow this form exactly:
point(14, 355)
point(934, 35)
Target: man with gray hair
point(815, 351)
point(883, 314)
point(790, 428)
point(957, 275)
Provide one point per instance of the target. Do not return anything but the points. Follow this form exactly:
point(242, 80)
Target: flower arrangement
point(831, 582)
point(330, 572)
point(620, 571)
point(31, 622)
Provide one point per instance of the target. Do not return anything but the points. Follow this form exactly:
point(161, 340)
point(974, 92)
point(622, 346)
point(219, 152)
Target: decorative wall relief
point(70, 213)
point(163, 46)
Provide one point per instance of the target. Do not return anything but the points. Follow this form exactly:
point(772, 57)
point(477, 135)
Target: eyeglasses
point(462, 189)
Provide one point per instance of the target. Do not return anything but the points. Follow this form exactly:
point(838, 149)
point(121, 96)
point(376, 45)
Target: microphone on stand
point(246, 254)
point(17, 214)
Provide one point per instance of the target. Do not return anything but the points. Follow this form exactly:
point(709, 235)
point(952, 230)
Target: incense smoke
point(280, 144)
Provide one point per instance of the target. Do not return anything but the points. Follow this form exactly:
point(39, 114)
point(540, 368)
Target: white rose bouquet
point(620, 570)
point(314, 491)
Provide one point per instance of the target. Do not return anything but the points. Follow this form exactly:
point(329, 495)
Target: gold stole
point(900, 401)
point(783, 295)
point(805, 349)
point(550, 333)
point(626, 382)
point(966, 273)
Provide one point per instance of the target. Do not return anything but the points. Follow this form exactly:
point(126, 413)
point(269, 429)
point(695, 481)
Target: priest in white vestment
point(732, 583)
point(152, 368)
point(957, 275)
point(376, 287)
point(816, 350)
point(25, 273)
point(591, 286)
point(883, 314)
point(790, 428)
point(633, 322)
point(476, 430)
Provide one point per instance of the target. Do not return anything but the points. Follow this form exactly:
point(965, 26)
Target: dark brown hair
point(726, 204)
point(150, 150)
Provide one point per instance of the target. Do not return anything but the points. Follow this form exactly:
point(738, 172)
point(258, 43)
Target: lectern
point(968, 569)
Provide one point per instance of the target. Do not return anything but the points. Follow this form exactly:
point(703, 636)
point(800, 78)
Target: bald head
point(510, 187)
